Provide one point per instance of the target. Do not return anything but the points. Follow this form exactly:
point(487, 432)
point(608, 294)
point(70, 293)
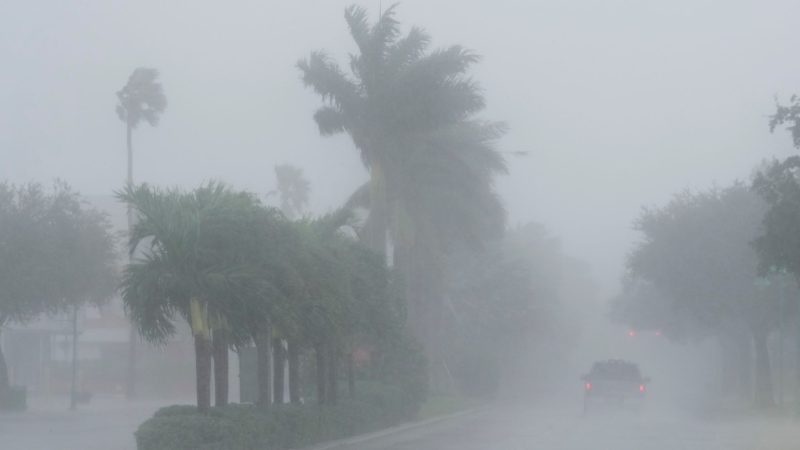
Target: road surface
point(520, 428)
point(104, 424)
point(109, 426)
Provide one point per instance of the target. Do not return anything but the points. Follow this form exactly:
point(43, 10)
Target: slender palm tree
point(411, 113)
point(141, 99)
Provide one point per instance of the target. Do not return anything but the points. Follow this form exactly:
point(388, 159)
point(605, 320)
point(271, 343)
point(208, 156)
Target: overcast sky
point(619, 104)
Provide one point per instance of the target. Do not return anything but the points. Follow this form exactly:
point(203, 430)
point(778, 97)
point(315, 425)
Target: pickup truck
point(614, 382)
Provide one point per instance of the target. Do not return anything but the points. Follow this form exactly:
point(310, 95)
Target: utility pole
point(73, 397)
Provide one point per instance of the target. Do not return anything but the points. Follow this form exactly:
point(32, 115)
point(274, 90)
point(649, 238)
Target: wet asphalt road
point(110, 427)
point(520, 428)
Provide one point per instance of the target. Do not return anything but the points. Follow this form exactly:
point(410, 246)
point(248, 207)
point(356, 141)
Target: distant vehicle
point(614, 382)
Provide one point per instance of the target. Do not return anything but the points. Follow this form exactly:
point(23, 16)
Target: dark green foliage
point(779, 244)
point(245, 427)
point(788, 114)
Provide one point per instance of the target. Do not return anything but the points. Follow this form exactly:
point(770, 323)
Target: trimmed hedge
point(245, 427)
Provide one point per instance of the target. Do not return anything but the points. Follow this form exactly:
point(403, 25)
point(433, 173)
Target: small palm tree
point(191, 265)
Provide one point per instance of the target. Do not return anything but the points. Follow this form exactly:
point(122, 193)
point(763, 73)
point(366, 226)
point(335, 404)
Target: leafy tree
point(411, 113)
point(55, 254)
point(696, 255)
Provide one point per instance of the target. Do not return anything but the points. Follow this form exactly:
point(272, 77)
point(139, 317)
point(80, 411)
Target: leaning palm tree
point(411, 113)
point(141, 99)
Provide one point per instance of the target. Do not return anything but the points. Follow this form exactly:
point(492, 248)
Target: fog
point(618, 103)
point(611, 106)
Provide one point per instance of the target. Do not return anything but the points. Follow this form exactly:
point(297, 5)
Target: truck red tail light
point(641, 388)
point(588, 386)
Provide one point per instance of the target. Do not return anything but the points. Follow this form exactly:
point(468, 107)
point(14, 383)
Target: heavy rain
point(342, 224)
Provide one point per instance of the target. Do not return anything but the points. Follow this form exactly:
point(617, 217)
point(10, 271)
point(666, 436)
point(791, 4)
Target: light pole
point(73, 397)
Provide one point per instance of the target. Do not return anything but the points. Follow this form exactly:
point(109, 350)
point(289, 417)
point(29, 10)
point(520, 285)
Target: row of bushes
point(244, 427)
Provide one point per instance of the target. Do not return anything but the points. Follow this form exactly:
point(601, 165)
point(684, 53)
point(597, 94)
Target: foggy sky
point(619, 104)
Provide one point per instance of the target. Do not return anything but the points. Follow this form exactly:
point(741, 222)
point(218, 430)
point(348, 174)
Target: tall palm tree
point(411, 113)
point(141, 99)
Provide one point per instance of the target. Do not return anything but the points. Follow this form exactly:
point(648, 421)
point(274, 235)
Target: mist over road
point(105, 424)
point(534, 428)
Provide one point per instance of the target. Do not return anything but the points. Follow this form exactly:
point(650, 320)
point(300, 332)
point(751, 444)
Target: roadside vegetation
point(723, 264)
point(413, 299)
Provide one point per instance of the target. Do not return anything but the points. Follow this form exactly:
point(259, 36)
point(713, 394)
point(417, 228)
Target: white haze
point(618, 103)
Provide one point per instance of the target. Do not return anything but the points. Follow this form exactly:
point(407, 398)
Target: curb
point(332, 445)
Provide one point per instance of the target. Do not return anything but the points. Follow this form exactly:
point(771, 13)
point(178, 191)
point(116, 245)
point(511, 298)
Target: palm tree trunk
point(130, 385)
point(764, 396)
point(279, 357)
point(220, 367)
point(351, 375)
point(375, 232)
point(264, 369)
point(202, 355)
point(294, 372)
point(319, 351)
point(333, 385)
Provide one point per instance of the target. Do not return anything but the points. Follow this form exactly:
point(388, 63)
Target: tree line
point(724, 263)
point(374, 274)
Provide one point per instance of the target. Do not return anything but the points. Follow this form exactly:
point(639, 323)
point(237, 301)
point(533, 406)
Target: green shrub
point(245, 427)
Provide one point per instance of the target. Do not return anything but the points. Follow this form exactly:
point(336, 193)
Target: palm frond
point(330, 121)
point(407, 50)
point(328, 80)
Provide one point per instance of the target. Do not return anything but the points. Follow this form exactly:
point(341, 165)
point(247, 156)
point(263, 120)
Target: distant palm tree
point(293, 189)
point(411, 114)
point(142, 98)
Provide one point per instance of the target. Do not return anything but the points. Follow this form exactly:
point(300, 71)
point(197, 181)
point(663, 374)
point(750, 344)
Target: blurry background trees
point(55, 255)
point(695, 274)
